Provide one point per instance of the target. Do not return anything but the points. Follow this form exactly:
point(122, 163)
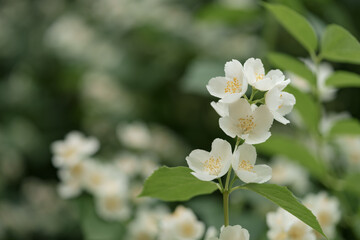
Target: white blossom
point(73, 149)
point(233, 233)
point(245, 168)
point(210, 165)
point(231, 87)
point(181, 225)
point(251, 125)
point(326, 209)
point(279, 102)
point(284, 226)
point(134, 135)
point(255, 75)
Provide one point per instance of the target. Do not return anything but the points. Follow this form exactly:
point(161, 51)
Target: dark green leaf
point(296, 25)
point(286, 62)
point(286, 200)
point(343, 79)
point(175, 184)
point(339, 45)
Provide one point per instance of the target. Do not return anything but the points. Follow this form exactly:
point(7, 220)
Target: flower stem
point(226, 207)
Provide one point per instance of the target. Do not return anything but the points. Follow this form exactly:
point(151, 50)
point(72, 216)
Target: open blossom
point(210, 165)
point(280, 103)
point(251, 125)
point(71, 180)
point(231, 87)
point(245, 168)
point(255, 75)
point(181, 225)
point(233, 233)
point(284, 226)
point(326, 210)
point(74, 148)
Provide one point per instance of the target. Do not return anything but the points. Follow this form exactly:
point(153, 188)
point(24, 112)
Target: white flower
point(211, 233)
point(326, 210)
point(280, 103)
point(233, 233)
point(284, 226)
point(134, 135)
point(221, 108)
point(181, 225)
point(255, 75)
point(113, 206)
point(145, 226)
point(245, 168)
point(71, 180)
point(210, 165)
point(74, 148)
point(350, 146)
point(285, 173)
point(128, 163)
point(251, 125)
point(231, 87)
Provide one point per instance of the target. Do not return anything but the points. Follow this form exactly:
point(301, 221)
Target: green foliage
point(175, 184)
point(296, 25)
point(351, 183)
point(305, 105)
point(286, 62)
point(339, 45)
point(345, 127)
point(228, 15)
point(293, 150)
point(341, 79)
point(285, 199)
point(198, 75)
point(95, 228)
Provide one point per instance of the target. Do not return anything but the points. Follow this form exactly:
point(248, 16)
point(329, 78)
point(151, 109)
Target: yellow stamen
point(246, 124)
point(213, 166)
point(233, 86)
point(246, 165)
point(259, 76)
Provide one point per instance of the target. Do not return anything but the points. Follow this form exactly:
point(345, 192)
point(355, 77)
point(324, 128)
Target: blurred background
point(124, 70)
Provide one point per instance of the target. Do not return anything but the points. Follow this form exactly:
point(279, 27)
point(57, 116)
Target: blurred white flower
point(284, 226)
point(73, 149)
point(327, 211)
point(329, 119)
point(231, 87)
point(181, 225)
point(251, 125)
point(245, 168)
point(255, 75)
point(233, 233)
point(134, 135)
point(350, 146)
point(128, 163)
point(148, 164)
point(280, 103)
point(211, 233)
point(145, 226)
point(210, 165)
point(299, 82)
point(71, 177)
point(284, 172)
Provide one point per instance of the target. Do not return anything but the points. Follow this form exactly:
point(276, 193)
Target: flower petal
point(263, 172)
point(196, 159)
point(203, 176)
point(217, 85)
point(221, 108)
point(234, 69)
point(229, 127)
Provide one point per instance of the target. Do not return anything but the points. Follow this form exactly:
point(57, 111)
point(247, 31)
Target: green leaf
point(351, 183)
point(286, 62)
point(286, 200)
point(342, 79)
point(296, 25)
point(339, 45)
point(292, 150)
point(175, 184)
point(345, 127)
point(93, 227)
point(307, 108)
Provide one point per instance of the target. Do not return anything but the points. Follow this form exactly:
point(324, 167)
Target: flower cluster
point(243, 117)
point(283, 225)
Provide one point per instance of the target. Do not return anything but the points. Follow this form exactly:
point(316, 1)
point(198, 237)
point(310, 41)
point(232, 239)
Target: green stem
point(253, 92)
point(226, 207)
point(221, 185)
